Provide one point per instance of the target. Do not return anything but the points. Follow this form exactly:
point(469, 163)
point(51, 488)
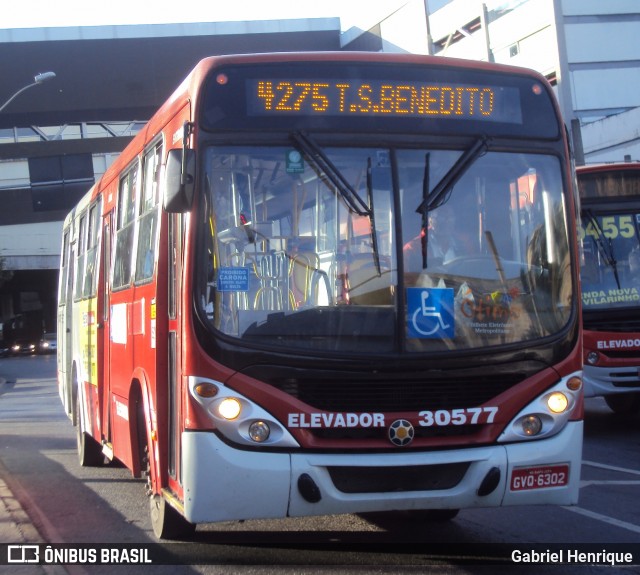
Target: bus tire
point(167, 523)
point(624, 404)
point(89, 450)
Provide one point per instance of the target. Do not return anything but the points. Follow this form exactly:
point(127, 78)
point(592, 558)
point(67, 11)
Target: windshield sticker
point(233, 279)
point(430, 313)
point(612, 296)
point(294, 162)
point(119, 330)
point(382, 158)
point(492, 314)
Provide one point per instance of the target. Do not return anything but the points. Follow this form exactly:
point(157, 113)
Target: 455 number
point(611, 226)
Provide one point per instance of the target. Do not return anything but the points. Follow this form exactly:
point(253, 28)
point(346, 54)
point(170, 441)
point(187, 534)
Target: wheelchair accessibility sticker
point(430, 312)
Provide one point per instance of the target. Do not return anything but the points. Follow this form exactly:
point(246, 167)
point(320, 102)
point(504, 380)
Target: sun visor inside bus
point(179, 180)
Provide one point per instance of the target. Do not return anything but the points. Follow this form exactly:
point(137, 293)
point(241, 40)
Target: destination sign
point(378, 97)
point(401, 99)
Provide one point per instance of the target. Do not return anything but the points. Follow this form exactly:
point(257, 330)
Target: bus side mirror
point(179, 183)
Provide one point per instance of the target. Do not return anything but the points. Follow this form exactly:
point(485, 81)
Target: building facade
point(587, 49)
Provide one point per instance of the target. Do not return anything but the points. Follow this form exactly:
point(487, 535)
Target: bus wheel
point(625, 404)
point(167, 523)
point(89, 450)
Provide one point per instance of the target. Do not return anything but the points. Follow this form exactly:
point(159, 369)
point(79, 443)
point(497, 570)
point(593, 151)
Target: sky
point(48, 13)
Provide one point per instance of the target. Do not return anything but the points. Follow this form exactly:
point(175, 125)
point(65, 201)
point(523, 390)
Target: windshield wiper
point(316, 155)
point(424, 230)
point(464, 162)
point(607, 254)
point(372, 218)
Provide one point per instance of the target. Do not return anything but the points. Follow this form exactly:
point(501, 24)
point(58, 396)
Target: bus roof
point(607, 167)
point(282, 57)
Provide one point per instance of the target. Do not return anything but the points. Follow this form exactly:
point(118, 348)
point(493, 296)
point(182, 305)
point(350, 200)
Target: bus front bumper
point(600, 381)
point(222, 483)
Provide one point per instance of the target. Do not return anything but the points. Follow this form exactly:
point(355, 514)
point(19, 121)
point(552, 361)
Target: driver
point(442, 242)
point(439, 239)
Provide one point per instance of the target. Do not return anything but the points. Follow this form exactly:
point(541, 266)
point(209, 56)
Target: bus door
point(173, 247)
point(86, 294)
point(174, 273)
point(105, 326)
point(65, 322)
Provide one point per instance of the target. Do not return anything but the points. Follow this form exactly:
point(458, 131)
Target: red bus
point(610, 236)
point(331, 283)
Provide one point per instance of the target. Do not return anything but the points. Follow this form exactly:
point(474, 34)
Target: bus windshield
point(610, 239)
point(290, 260)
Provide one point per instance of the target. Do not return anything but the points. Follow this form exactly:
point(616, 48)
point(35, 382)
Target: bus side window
point(91, 258)
point(124, 232)
point(64, 270)
point(81, 245)
point(148, 216)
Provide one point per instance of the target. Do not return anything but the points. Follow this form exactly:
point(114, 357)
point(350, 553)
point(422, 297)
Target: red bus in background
point(610, 236)
point(331, 283)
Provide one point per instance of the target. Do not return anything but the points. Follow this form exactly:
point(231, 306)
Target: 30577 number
point(466, 416)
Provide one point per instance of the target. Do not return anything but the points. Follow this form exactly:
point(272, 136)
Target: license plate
point(523, 478)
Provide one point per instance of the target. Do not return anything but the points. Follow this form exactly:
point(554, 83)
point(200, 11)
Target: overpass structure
point(57, 137)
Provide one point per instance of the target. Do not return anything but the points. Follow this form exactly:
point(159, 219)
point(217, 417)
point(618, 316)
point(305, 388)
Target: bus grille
point(394, 479)
point(630, 324)
point(388, 393)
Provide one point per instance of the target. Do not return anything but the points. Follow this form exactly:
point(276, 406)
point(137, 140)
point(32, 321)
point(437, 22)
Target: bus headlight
point(592, 357)
point(548, 413)
point(229, 408)
point(236, 417)
point(259, 431)
point(531, 425)
point(557, 402)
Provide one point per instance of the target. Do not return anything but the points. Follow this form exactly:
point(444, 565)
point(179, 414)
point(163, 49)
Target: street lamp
point(38, 79)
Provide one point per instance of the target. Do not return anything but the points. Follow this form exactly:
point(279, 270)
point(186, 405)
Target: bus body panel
point(220, 481)
point(86, 362)
point(135, 335)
